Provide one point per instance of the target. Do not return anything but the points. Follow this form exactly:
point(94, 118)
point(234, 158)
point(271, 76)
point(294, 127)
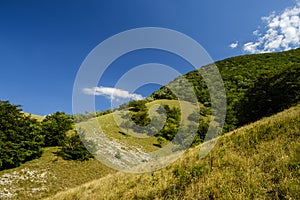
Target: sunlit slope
point(257, 161)
point(48, 175)
point(37, 117)
point(109, 125)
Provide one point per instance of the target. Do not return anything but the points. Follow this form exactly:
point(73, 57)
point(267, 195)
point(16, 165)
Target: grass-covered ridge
point(258, 161)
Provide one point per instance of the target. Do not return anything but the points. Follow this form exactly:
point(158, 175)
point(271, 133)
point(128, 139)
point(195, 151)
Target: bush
point(74, 149)
point(118, 155)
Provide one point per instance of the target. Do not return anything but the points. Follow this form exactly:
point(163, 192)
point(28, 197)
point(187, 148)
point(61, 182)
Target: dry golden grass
point(258, 161)
point(37, 117)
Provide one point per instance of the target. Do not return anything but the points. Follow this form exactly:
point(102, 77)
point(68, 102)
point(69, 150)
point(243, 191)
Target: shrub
point(55, 127)
point(74, 149)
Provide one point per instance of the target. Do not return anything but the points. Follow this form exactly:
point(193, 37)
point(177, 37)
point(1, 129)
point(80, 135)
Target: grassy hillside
point(112, 130)
point(131, 147)
point(258, 161)
point(48, 175)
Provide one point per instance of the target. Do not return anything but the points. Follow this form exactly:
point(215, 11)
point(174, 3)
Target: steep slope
point(271, 78)
point(258, 161)
point(256, 86)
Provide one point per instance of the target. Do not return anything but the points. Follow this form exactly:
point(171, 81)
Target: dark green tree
point(139, 113)
point(172, 123)
point(74, 149)
point(20, 136)
point(54, 128)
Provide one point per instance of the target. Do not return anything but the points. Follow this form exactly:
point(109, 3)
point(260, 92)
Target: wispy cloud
point(282, 32)
point(234, 45)
point(112, 93)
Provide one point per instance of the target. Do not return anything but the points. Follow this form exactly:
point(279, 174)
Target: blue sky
point(43, 43)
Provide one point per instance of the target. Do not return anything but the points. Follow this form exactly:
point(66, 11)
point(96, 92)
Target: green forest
point(256, 86)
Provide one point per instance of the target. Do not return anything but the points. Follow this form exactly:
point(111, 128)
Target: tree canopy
point(55, 127)
point(20, 136)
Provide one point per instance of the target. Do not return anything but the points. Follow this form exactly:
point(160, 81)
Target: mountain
point(257, 161)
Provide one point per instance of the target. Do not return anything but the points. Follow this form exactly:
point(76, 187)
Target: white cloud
point(234, 45)
point(112, 93)
point(282, 32)
point(251, 47)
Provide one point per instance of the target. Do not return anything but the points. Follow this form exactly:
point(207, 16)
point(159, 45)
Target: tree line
point(23, 138)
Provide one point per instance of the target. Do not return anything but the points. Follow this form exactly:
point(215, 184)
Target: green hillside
point(258, 161)
point(130, 137)
point(256, 85)
point(132, 145)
